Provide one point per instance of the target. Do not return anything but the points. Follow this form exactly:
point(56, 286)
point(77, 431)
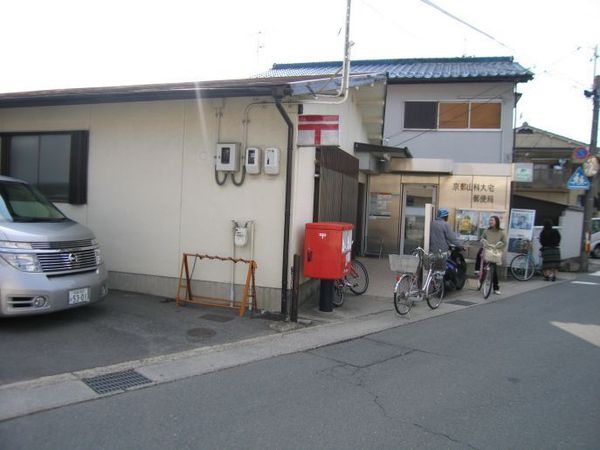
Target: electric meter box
point(272, 157)
point(327, 250)
point(240, 236)
point(253, 160)
point(228, 157)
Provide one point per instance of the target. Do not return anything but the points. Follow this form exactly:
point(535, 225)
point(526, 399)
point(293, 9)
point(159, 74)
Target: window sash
point(420, 115)
point(64, 182)
point(452, 115)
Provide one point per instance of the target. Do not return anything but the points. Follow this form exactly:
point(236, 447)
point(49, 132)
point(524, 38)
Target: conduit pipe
point(342, 93)
point(278, 95)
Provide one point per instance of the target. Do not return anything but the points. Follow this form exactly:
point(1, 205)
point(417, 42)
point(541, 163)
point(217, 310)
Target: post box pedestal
point(326, 293)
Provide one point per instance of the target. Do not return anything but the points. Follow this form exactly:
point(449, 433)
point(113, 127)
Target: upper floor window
point(54, 162)
point(452, 115)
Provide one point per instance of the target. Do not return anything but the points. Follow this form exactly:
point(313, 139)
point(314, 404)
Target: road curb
point(28, 397)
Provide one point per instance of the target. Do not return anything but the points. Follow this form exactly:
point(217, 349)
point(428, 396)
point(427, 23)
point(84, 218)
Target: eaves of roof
point(279, 86)
point(393, 152)
point(325, 85)
point(418, 70)
point(173, 91)
point(528, 130)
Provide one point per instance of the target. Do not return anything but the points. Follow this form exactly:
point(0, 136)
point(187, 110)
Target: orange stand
point(185, 284)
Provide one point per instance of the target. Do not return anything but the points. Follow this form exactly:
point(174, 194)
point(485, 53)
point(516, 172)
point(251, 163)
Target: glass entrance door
point(414, 198)
point(384, 215)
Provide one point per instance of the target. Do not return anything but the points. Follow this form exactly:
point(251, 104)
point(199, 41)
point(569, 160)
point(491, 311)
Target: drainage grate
point(116, 381)
point(461, 303)
point(216, 318)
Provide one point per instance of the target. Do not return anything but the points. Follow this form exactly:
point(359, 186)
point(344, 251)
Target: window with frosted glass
point(454, 115)
point(485, 115)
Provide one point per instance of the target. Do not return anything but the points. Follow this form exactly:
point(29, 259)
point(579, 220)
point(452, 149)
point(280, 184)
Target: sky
point(83, 43)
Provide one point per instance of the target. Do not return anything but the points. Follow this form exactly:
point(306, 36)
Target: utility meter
point(272, 161)
point(228, 157)
point(240, 234)
point(252, 163)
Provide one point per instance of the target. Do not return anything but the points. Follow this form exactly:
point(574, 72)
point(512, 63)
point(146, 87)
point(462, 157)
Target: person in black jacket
point(550, 240)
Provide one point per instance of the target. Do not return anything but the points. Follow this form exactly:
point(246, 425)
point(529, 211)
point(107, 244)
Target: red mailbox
point(327, 250)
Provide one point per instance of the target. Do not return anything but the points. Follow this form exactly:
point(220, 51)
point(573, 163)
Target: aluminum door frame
point(403, 189)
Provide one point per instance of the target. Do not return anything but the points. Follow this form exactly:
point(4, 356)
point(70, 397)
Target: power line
point(390, 18)
point(460, 115)
point(544, 69)
point(464, 22)
point(496, 97)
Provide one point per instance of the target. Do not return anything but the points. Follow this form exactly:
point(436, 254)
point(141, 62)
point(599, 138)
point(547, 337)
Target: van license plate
point(77, 296)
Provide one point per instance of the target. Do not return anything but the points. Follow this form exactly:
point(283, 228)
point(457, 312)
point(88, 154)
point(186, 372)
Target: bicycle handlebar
point(420, 252)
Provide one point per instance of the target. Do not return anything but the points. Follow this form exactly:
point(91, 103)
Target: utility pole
point(593, 191)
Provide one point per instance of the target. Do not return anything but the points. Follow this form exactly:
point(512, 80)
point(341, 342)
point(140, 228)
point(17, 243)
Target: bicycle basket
point(493, 255)
point(437, 262)
point(404, 263)
point(524, 246)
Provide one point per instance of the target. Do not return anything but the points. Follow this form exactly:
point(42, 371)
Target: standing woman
point(493, 235)
point(550, 240)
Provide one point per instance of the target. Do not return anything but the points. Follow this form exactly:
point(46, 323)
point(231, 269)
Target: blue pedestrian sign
point(578, 180)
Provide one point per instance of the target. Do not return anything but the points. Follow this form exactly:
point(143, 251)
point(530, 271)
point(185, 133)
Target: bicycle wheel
point(461, 272)
point(402, 293)
point(487, 282)
point(358, 278)
point(435, 291)
point(522, 267)
point(480, 278)
point(338, 296)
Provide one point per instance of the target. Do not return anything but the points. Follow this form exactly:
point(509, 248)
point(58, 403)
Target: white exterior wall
point(486, 146)
point(152, 194)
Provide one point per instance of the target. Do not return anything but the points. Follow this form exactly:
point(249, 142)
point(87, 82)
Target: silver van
point(595, 238)
point(47, 261)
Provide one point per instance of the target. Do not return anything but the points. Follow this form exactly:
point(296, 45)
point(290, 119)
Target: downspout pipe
point(288, 199)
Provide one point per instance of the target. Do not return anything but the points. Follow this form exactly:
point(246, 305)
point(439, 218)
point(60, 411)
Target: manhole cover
point(216, 318)
point(116, 381)
point(201, 333)
point(461, 303)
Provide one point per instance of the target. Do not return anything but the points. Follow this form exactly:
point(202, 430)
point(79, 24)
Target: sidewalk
point(379, 297)
point(254, 340)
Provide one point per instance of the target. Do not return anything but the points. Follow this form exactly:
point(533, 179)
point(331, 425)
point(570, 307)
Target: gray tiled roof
point(414, 70)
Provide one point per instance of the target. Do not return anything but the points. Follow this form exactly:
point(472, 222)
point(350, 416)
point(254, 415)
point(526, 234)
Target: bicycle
point(410, 284)
point(524, 266)
point(357, 280)
point(490, 259)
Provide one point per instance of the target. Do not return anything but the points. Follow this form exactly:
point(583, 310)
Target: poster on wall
point(520, 230)
point(467, 223)
point(471, 223)
point(484, 220)
point(379, 205)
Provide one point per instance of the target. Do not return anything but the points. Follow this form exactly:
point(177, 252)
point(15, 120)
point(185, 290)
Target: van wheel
point(596, 251)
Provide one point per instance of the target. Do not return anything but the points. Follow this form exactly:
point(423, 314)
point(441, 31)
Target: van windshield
point(20, 202)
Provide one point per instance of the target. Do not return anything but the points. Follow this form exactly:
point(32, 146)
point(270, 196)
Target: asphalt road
point(519, 373)
point(126, 326)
